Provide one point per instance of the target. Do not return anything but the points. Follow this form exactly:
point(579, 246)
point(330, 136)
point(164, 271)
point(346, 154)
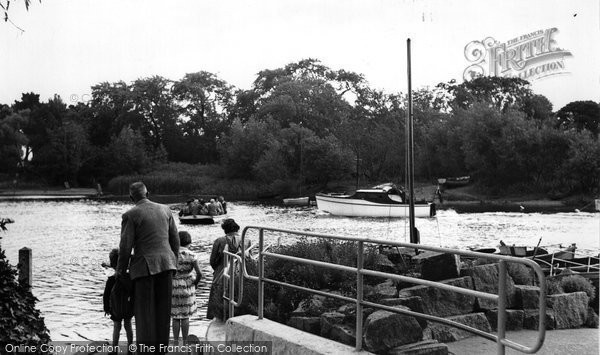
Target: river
point(70, 240)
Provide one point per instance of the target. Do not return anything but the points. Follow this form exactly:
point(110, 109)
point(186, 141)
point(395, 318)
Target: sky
point(70, 45)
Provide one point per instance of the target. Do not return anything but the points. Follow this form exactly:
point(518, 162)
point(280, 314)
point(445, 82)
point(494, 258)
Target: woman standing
point(232, 243)
point(183, 305)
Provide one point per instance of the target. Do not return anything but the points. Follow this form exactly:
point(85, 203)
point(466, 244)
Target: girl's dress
point(184, 291)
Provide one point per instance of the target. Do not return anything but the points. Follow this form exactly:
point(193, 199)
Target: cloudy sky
point(68, 46)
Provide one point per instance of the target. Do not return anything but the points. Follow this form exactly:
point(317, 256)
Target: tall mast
point(409, 142)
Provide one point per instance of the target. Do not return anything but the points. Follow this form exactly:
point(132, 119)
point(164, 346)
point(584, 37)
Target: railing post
point(501, 306)
point(25, 267)
point(231, 286)
point(359, 295)
point(261, 275)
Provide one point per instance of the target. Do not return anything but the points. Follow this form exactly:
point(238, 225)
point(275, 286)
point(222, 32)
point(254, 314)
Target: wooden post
point(25, 268)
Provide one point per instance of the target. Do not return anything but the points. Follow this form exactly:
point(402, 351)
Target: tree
point(205, 102)
point(12, 142)
point(127, 153)
point(580, 115)
point(502, 93)
point(582, 166)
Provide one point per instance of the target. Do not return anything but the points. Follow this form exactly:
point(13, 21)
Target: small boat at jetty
point(297, 201)
point(451, 182)
point(201, 219)
point(385, 200)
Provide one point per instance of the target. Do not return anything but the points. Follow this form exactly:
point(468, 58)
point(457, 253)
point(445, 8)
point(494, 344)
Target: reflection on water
point(70, 240)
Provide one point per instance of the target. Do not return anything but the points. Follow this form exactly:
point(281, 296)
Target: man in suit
point(149, 230)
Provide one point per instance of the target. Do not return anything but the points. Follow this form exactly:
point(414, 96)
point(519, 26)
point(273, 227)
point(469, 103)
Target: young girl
point(184, 288)
point(125, 311)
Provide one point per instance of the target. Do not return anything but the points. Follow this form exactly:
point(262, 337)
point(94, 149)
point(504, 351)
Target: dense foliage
point(20, 322)
point(303, 124)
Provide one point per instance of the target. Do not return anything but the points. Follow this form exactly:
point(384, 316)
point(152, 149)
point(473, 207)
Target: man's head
point(138, 191)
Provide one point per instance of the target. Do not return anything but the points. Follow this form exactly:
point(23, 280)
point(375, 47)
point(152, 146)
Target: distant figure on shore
point(149, 229)
point(118, 302)
point(183, 305)
point(232, 243)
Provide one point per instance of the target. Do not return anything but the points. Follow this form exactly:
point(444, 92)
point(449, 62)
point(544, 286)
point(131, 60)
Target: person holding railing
point(231, 242)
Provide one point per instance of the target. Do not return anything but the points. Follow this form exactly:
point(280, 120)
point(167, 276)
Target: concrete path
point(582, 341)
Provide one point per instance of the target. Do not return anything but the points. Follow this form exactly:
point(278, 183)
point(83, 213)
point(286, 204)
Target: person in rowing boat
point(223, 204)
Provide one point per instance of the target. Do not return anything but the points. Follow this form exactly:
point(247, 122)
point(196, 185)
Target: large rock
point(307, 324)
point(328, 320)
point(310, 307)
point(385, 330)
point(514, 319)
point(383, 264)
point(531, 319)
point(570, 309)
point(527, 297)
point(344, 333)
point(521, 274)
point(415, 304)
point(425, 347)
point(441, 302)
point(438, 266)
point(385, 289)
point(592, 319)
point(446, 334)
point(485, 279)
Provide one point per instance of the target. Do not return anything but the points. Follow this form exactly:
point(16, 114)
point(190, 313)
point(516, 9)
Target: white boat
point(296, 201)
point(379, 201)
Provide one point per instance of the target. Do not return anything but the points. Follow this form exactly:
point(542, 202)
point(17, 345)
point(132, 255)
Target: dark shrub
point(577, 283)
point(20, 321)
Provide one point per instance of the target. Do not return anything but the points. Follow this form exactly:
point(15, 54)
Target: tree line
point(305, 124)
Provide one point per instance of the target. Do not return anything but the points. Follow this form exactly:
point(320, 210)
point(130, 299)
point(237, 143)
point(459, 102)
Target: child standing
point(122, 312)
point(184, 288)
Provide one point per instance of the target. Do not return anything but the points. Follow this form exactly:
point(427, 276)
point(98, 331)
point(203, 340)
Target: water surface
point(70, 240)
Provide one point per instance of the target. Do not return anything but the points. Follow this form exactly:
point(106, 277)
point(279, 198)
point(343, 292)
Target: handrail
point(229, 265)
point(360, 271)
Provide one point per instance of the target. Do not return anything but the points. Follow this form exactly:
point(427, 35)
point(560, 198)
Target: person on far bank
point(183, 305)
point(148, 229)
point(118, 303)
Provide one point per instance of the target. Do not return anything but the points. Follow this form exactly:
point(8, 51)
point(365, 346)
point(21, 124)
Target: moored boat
point(451, 182)
point(200, 219)
point(296, 201)
point(380, 201)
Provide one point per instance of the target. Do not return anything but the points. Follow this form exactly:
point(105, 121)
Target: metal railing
point(566, 260)
point(360, 272)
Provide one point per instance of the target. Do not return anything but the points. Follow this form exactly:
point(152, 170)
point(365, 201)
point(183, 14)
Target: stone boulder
point(310, 307)
point(438, 266)
point(521, 274)
point(385, 289)
point(343, 333)
point(443, 303)
point(328, 320)
point(531, 319)
point(385, 330)
point(415, 304)
point(570, 309)
point(485, 279)
point(527, 297)
point(383, 264)
point(425, 347)
point(446, 334)
point(514, 319)
point(307, 324)
point(592, 319)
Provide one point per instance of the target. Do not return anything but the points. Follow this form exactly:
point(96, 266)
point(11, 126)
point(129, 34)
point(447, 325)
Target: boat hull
point(350, 207)
point(298, 201)
point(198, 219)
